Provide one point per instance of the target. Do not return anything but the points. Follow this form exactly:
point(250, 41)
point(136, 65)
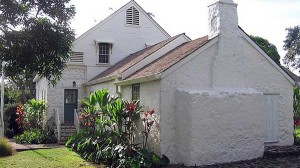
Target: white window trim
point(97, 42)
point(137, 86)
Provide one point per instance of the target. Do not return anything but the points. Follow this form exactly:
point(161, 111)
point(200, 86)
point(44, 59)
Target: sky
point(264, 18)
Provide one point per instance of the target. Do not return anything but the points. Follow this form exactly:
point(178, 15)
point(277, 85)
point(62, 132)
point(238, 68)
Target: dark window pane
point(136, 92)
point(104, 50)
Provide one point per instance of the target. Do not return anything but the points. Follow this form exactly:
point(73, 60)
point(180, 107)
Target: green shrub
point(108, 133)
point(35, 113)
point(296, 106)
point(36, 136)
point(6, 149)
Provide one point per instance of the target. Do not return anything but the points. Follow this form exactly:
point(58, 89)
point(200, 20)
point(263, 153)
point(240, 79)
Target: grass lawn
point(58, 158)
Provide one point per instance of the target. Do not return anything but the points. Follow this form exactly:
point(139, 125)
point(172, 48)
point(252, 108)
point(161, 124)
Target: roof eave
point(36, 78)
point(139, 80)
point(102, 80)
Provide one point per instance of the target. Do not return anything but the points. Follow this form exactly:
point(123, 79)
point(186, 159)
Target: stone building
point(219, 98)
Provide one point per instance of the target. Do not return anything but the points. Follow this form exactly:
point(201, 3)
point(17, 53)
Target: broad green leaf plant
point(108, 133)
point(35, 111)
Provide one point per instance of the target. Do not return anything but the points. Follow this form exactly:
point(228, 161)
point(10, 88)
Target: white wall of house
point(219, 126)
point(105, 85)
point(199, 73)
point(125, 39)
point(41, 89)
point(149, 99)
point(55, 96)
point(261, 75)
point(193, 75)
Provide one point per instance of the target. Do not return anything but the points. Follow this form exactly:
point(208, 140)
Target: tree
point(292, 46)
point(35, 39)
point(268, 48)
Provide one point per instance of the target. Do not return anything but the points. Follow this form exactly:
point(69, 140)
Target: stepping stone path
point(23, 147)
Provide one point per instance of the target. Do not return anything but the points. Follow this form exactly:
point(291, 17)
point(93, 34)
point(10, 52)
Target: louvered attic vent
point(76, 57)
point(132, 16)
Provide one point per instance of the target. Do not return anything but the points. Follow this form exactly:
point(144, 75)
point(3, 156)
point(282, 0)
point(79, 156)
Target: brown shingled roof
point(132, 59)
point(169, 59)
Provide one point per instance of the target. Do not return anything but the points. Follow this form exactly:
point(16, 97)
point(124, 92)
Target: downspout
point(118, 88)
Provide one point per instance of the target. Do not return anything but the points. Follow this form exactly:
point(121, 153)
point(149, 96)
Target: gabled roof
point(131, 3)
point(132, 59)
point(165, 62)
point(291, 74)
point(155, 68)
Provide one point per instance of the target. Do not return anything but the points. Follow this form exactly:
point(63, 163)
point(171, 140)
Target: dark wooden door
point(70, 103)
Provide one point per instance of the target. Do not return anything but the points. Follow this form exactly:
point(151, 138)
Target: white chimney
point(223, 19)
point(228, 66)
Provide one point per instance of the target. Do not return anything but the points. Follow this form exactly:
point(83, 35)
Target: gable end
point(132, 16)
point(130, 4)
point(248, 39)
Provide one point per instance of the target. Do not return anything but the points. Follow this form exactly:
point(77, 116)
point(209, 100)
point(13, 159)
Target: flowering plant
point(148, 121)
point(88, 120)
point(32, 114)
point(20, 116)
point(109, 131)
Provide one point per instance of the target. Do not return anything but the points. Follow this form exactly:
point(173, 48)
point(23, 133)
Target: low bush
point(6, 149)
point(36, 136)
point(108, 133)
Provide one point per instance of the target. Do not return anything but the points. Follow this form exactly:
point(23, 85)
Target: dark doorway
point(70, 103)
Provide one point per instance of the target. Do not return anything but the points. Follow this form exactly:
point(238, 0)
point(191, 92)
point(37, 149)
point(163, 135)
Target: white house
point(219, 98)
point(126, 31)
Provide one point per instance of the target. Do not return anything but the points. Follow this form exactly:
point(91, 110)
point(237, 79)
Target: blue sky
point(265, 18)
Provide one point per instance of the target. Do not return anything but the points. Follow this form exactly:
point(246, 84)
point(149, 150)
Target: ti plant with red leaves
point(296, 106)
point(148, 122)
point(20, 116)
point(32, 114)
point(108, 133)
point(131, 112)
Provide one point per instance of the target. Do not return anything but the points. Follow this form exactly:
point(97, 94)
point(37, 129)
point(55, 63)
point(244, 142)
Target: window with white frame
point(136, 92)
point(132, 16)
point(104, 53)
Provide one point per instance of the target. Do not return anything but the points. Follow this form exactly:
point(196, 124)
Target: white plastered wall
point(126, 39)
point(194, 74)
point(218, 126)
point(264, 77)
point(149, 99)
point(55, 96)
point(253, 71)
point(109, 85)
point(41, 87)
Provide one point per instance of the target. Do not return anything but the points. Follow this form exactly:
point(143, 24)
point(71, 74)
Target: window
point(71, 96)
point(104, 52)
point(136, 92)
point(132, 16)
